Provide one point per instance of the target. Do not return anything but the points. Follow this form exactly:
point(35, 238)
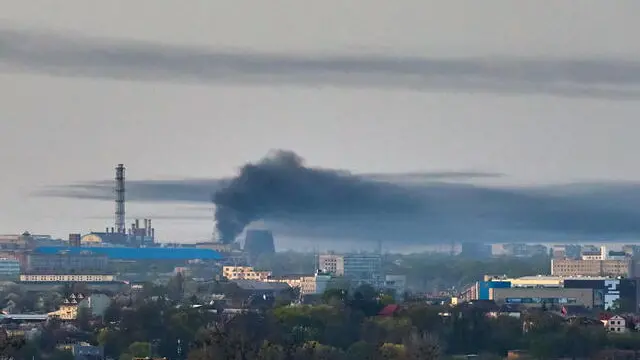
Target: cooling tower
point(258, 242)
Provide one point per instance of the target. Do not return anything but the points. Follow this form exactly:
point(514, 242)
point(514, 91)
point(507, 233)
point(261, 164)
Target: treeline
point(343, 326)
point(351, 329)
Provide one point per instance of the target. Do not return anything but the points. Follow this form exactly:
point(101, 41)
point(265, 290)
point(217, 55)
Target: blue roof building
point(127, 253)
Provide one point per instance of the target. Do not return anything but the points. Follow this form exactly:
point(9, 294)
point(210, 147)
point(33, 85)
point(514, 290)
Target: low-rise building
point(308, 284)
point(97, 304)
point(244, 273)
point(615, 324)
point(315, 284)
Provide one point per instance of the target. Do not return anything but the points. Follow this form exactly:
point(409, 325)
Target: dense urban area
point(119, 294)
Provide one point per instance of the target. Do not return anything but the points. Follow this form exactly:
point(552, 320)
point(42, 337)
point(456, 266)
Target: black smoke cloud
point(71, 55)
point(300, 201)
point(281, 186)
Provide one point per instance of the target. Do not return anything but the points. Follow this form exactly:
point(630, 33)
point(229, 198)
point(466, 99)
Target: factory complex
point(119, 256)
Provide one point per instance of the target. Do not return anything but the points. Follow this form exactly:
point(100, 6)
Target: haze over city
point(540, 95)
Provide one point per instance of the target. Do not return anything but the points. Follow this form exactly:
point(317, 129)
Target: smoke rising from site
point(280, 185)
point(420, 208)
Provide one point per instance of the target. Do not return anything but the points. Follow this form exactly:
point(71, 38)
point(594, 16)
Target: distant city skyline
point(542, 94)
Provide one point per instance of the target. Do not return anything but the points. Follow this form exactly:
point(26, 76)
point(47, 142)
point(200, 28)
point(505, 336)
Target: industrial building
point(118, 234)
point(604, 292)
point(14, 242)
point(537, 297)
point(66, 263)
point(126, 253)
point(48, 282)
point(257, 243)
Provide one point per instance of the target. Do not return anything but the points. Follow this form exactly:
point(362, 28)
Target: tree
point(422, 347)
point(84, 318)
point(137, 349)
point(175, 287)
point(113, 313)
point(9, 348)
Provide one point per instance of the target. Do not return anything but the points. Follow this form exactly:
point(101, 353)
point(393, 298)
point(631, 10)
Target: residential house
point(615, 324)
point(96, 303)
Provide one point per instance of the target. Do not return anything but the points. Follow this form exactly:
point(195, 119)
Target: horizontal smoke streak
point(413, 208)
point(72, 55)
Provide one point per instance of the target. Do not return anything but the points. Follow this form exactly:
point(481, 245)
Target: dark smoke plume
point(281, 186)
point(406, 208)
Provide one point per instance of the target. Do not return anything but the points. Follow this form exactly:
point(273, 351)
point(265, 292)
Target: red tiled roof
point(389, 310)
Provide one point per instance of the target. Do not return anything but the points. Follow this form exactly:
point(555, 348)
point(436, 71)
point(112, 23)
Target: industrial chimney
point(119, 223)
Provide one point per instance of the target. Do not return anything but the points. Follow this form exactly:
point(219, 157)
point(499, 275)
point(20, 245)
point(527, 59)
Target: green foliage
point(431, 271)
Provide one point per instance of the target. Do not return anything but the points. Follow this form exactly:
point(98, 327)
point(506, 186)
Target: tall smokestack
point(119, 224)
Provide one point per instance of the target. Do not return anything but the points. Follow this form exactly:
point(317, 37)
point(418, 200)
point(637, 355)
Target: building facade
point(9, 267)
point(316, 284)
point(65, 263)
point(610, 293)
point(358, 268)
point(588, 267)
point(331, 263)
point(244, 273)
point(364, 269)
point(615, 324)
point(550, 297)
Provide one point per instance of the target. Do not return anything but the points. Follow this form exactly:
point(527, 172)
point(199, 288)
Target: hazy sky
point(543, 91)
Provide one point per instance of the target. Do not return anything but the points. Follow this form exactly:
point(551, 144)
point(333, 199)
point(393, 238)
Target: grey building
point(536, 297)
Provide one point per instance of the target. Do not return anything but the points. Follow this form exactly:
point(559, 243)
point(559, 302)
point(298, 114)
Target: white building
point(616, 324)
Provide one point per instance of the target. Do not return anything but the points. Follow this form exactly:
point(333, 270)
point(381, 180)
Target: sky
point(543, 92)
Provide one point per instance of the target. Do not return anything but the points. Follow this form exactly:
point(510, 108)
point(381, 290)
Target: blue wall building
point(125, 253)
point(485, 286)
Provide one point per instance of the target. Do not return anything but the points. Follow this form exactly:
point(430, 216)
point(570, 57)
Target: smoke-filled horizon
point(303, 201)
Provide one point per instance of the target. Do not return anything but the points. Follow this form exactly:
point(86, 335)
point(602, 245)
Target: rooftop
point(260, 285)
